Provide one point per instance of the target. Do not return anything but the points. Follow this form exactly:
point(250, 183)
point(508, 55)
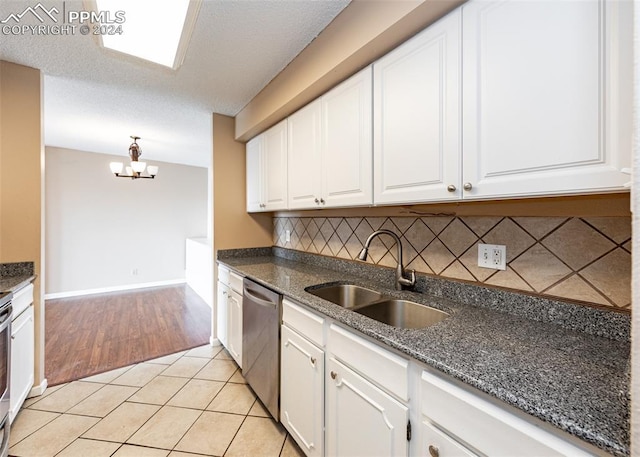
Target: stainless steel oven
point(5, 370)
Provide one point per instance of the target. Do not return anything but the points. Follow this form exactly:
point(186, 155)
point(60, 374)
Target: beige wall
point(21, 178)
point(363, 32)
point(233, 226)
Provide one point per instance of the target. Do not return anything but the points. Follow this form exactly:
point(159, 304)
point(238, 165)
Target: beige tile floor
point(193, 403)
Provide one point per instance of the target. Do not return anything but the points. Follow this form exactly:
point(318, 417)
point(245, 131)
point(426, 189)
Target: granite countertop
point(15, 276)
point(575, 380)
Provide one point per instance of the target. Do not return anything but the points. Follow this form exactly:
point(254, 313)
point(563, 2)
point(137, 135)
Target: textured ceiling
point(94, 98)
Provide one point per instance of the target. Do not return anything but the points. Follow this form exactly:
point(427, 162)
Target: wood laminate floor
point(96, 333)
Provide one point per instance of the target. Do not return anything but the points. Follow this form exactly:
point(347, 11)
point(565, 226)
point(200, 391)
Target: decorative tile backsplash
point(586, 259)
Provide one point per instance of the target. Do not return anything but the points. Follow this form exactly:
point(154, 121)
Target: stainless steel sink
point(403, 313)
point(346, 295)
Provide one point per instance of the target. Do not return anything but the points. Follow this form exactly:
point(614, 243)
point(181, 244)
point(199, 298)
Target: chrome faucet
point(401, 279)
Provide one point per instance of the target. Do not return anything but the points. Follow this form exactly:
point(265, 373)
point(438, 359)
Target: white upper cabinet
point(266, 170)
point(330, 155)
point(305, 162)
point(543, 95)
point(417, 117)
point(346, 142)
point(254, 175)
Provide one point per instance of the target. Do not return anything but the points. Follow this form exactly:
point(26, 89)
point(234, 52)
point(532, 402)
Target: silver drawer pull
point(433, 451)
point(451, 188)
point(467, 186)
point(313, 360)
point(334, 375)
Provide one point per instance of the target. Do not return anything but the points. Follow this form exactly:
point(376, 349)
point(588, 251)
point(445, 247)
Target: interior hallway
point(95, 333)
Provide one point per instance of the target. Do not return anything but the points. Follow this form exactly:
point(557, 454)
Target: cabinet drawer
point(485, 426)
point(235, 281)
point(223, 275)
point(22, 299)
point(434, 442)
point(304, 322)
point(384, 368)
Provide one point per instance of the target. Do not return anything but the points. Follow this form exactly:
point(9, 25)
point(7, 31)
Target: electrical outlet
point(492, 256)
point(287, 235)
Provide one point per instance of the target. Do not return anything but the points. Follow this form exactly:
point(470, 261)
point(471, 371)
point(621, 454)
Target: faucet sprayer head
point(363, 254)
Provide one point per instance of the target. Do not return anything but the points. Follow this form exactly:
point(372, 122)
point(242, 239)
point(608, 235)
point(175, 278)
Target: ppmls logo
point(35, 20)
point(38, 20)
point(34, 12)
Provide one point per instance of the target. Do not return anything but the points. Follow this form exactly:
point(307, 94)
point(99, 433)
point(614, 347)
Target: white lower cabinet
point(22, 350)
point(362, 420)
point(302, 387)
point(234, 328)
point(343, 395)
point(459, 421)
point(229, 312)
point(221, 312)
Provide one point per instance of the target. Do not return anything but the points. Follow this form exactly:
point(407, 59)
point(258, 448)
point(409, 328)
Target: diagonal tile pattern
point(168, 406)
point(584, 259)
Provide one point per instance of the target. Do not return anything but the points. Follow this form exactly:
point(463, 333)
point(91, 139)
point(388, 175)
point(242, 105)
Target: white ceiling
point(94, 99)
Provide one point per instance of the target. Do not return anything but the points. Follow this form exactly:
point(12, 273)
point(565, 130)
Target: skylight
point(152, 30)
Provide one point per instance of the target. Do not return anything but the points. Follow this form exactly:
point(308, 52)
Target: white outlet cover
point(493, 256)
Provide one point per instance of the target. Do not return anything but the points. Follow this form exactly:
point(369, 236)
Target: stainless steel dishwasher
point(261, 315)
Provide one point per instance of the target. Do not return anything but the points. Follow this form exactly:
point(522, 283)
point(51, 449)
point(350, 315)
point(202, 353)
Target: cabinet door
point(346, 142)
point(275, 167)
point(222, 298)
point(234, 327)
point(537, 77)
point(302, 392)
point(362, 420)
point(254, 169)
point(22, 360)
point(304, 157)
point(417, 124)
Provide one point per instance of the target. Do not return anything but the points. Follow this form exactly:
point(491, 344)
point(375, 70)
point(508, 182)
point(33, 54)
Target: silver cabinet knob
point(316, 200)
point(467, 186)
point(434, 451)
point(334, 375)
point(313, 360)
point(451, 188)
point(322, 201)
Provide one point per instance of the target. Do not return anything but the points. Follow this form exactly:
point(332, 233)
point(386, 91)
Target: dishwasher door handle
point(262, 301)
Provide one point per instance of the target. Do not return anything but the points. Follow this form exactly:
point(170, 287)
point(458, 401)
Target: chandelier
point(137, 168)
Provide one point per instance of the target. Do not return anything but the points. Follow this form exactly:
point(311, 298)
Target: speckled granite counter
point(524, 350)
point(15, 276)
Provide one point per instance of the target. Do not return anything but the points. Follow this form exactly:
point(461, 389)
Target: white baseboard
point(101, 290)
point(214, 341)
point(38, 390)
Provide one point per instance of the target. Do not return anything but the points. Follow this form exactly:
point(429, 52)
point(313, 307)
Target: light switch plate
point(492, 256)
point(287, 236)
